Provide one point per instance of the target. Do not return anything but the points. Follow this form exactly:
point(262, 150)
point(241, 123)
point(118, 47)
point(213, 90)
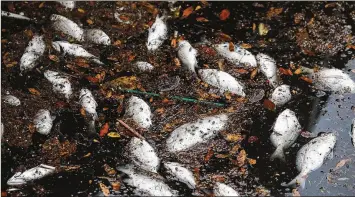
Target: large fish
point(221, 189)
point(88, 103)
point(30, 175)
point(60, 83)
point(286, 129)
point(238, 56)
point(311, 157)
point(158, 33)
point(187, 55)
point(200, 131)
point(268, 68)
point(97, 36)
point(144, 184)
point(281, 95)
point(33, 52)
point(222, 80)
point(143, 155)
point(333, 80)
point(140, 112)
point(43, 121)
point(63, 24)
point(180, 173)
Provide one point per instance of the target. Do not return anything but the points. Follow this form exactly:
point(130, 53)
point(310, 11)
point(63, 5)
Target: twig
point(131, 130)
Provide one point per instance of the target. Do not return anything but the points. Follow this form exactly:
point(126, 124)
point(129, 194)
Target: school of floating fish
point(144, 159)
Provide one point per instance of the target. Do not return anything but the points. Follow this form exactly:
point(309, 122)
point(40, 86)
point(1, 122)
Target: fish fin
point(299, 180)
point(279, 154)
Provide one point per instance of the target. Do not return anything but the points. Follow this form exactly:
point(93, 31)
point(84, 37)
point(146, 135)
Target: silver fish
point(60, 83)
point(68, 4)
point(180, 173)
point(190, 134)
point(221, 189)
point(12, 100)
point(43, 121)
point(333, 80)
point(143, 155)
point(97, 36)
point(238, 56)
point(281, 95)
point(33, 52)
point(187, 55)
point(63, 24)
point(286, 129)
point(268, 68)
point(158, 33)
point(222, 80)
point(144, 66)
point(88, 103)
point(139, 110)
point(31, 175)
point(13, 15)
point(311, 157)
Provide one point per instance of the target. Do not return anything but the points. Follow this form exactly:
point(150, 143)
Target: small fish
point(281, 95)
point(144, 184)
point(88, 103)
point(68, 4)
point(286, 129)
point(222, 80)
point(139, 110)
point(144, 66)
point(43, 121)
point(158, 33)
point(30, 175)
point(353, 132)
point(74, 50)
point(33, 52)
point(180, 173)
point(97, 36)
point(60, 83)
point(312, 156)
point(238, 56)
point(187, 54)
point(13, 15)
point(268, 68)
point(333, 80)
point(190, 134)
point(12, 100)
point(143, 155)
point(63, 24)
point(221, 189)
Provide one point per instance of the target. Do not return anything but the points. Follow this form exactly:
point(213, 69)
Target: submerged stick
point(131, 130)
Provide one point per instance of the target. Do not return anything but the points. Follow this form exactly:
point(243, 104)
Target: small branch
point(131, 130)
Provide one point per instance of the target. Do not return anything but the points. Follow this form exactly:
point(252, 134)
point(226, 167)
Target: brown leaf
point(116, 185)
point(298, 71)
point(173, 43)
point(54, 58)
point(246, 46)
point(201, 19)
point(308, 52)
point(28, 33)
point(92, 79)
point(253, 139)
point(253, 73)
point(251, 161)
point(330, 5)
point(41, 5)
point(341, 163)
point(34, 91)
point(241, 70)
point(104, 130)
point(209, 154)
point(12, 64)
point(187, 12)
point(208, 50)
point(242, 156)
point(295, 193)
point(231, 46)
point(90, 22)
point(110, 171)
point(224, 14)
point(286, 71)
point(306, 79)
point(82, 112)
point(233, 137)
point(81, 62)
point(234, 149)
point(31, 128)
point(104, 189)
point(224, 37)
point(177, 62)
point(269, 105)
point(274, 12)
point(114, 135)
point(81, 10)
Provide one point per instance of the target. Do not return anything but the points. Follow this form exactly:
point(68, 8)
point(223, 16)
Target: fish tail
point(279, 154)
point(97, 61)
point(299, 180)
point(91, 127)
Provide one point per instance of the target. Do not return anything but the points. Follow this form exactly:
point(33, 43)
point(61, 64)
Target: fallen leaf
point(286, 71)
point(113, 135)
point(90, 22)
point(298, 71)
point(187, 12)
point(308, 52)
point(126, 82)
point(274, 12)
point(12, 64)
point(295, 192)
point(253, 73)
point(41, 5)
point(298, 17)
point(173, 43)
point(208, 50)
point(254, 27)
point(263, 29)
point(246, 46)
point(253, 139)
point(34, 91)
point(209, 154)
point(252, 161)
point(201, 19)
point(92, 79)
point(306, 79)
point(104, 189)
point(224, 14)
point(224, 37)
point(82, 112)
point(177, 62)
point(29, 33)
point(242, 156)
point(124, 17)
point(341, 163)
point(197, 8)
point(197, 174)
point(234, 149)
point(81, 10)
point(233, 137)
point(104, 130)
point(117, 43)
point(116, 185)
point(54, 58)
point(241, 70)
point(87, 155)
point(269, 105)
point(231, 46)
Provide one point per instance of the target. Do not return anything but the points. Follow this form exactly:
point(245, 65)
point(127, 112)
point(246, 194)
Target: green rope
point(175, 97)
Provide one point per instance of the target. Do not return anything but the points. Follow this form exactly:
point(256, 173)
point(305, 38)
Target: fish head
point(56, 46)
point(329, 137)
point(222, 47)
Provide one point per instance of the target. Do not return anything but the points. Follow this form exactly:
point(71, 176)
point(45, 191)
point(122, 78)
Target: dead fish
point(63, 24)
point(353, 132)
point(333, 80)
point(221, 189)
point(268, 68)
point(88, 103)
point(33, 52)
point(97, 36)
point(281, 95)
point(143, 155)
point(187, 54)
point(60, 83)
point(312, 156)
point(238, 56)
point(13, 15)
point(139, 110)
point(286, 129)
point(180, 173)
point(145, 185)
point(158, 33)
point(144, 66)
point(74, 50)
point(43, 121)
point(12, 100)
point(68, 4)
point(30, 175)
point(190, 134)
point(222, 80)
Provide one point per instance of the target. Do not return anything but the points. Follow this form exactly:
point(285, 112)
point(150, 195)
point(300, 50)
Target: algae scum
point(297, 35)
